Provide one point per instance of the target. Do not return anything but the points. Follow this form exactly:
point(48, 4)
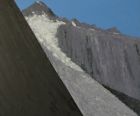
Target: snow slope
point(46, 36)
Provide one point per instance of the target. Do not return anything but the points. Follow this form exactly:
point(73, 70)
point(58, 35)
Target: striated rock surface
point(29, 85)
point(109, 57)
point(68, 43)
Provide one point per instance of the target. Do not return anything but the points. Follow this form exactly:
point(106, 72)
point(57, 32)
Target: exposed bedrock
point(109, 57)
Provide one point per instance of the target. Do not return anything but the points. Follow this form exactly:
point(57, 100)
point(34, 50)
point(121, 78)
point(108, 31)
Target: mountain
point(35, 9)
point(29, 85)
point(87, 58)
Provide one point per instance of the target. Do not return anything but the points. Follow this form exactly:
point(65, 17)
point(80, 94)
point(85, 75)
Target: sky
point(123, 14)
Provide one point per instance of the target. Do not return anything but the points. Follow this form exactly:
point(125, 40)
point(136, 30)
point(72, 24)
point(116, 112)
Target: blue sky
point(124, 14)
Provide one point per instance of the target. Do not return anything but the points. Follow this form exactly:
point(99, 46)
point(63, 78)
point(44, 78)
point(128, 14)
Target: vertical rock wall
point(110, 58)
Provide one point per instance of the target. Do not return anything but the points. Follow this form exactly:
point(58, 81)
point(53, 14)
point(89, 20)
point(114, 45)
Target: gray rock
point(111, 59)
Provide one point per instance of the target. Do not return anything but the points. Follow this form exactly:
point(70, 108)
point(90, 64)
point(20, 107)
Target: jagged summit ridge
point(39, 8)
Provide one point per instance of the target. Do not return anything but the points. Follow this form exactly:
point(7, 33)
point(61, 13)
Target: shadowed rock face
point(29, 86)
point(110, 58)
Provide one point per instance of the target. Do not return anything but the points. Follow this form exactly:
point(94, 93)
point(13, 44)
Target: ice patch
point(45, 31)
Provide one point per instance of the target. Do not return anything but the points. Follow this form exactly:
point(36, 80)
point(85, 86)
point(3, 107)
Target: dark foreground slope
point(29, 86)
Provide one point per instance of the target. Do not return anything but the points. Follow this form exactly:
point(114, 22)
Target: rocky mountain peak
point(38, 8)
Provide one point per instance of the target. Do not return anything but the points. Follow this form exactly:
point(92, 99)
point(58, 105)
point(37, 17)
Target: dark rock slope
point(29, 86)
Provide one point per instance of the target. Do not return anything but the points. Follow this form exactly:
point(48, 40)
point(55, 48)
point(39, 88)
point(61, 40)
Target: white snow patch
point(39, 2)
point(92, 29)
point(33, 12)
point(115, 33)
point(45, 31)
point(73, 23)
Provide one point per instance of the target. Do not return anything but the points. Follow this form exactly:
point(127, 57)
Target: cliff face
point(109, 57)
point(29, 85)
point(68, 43)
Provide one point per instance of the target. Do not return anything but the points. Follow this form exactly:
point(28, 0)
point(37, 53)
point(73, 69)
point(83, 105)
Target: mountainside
point(110, 58)
point(81, 53)
point(29, 85)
